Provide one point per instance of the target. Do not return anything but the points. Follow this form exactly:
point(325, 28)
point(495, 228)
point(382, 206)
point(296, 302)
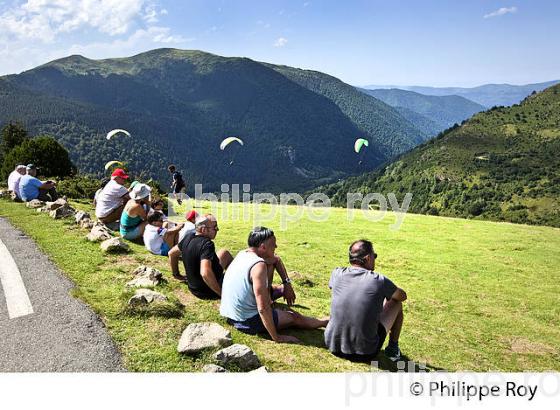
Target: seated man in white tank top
point(246, 297)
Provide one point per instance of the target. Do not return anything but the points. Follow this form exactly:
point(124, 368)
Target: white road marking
point(16, 296)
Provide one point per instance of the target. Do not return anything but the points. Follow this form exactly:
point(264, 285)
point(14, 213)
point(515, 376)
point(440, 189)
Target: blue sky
point(421, 42)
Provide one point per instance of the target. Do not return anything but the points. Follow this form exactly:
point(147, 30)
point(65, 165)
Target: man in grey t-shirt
point(365, 307)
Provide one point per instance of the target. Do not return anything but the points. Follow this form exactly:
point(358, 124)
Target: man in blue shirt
point(32, 188)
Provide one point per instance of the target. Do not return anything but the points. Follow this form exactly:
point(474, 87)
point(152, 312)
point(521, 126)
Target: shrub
point(45, 152)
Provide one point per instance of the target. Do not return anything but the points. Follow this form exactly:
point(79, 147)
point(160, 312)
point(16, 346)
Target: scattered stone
point(64, 211)
point(200, 336)
point(80, 216)
point(99, 233)
point(213, 368)
point(60, 202)
point(114, 245)
point(35, 203)
point(145, 276)
point(86, 224)
point(238, 355)
point(144, 297)
point(261, 369)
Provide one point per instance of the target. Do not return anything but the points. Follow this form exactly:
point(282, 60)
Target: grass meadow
point(482, 296)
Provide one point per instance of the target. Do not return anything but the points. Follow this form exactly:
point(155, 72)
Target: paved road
point(59, 333)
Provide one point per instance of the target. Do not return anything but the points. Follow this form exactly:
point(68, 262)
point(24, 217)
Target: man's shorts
point(382, 335)
point(164, 251)
point(253, 325)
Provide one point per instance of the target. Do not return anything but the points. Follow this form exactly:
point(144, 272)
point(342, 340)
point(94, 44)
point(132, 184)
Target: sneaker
point(393, 353)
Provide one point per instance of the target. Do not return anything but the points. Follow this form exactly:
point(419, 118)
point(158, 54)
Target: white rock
point(213, 368)
point(99, 233)
point(200, 336)
point(114, 245)
point(62, 212)
point(238, 355)
point(261, 369)
point(35, 203)
point(145, 276)
point(145, 297)
point(60, 202)
point(80, 216)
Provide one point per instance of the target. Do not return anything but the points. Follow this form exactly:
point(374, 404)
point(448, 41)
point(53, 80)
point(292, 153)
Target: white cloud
point(280, 42)
point(501, 12)
point(44, 20)
point(38, 31)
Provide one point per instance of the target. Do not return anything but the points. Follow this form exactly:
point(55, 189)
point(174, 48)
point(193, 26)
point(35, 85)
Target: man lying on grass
point(203, 265)
point(246, 297)
point(365, 307)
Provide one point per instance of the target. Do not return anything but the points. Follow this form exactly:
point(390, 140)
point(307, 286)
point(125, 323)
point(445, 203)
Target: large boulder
point(34, 203)
point(145, 276)
point(213, 368)
point(81, 216)
point(64, 211)
point(143, 297)
point(238, 355)
point(99, 233)
point(114, 245)
point(200, 336)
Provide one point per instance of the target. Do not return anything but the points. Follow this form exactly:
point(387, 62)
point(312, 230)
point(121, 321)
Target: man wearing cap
point(366, 307)
point(112, 198)
point(203, 265)
point(14, 179)
point(32, 188)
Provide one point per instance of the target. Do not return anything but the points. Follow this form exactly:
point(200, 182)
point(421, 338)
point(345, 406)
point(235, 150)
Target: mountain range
point(502, 164)
point(298, 126)
point(488, 95)
point(432, 114)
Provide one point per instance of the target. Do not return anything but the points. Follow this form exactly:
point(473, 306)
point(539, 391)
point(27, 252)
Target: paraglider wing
point(111, 163)
point(112, 133)
point(360, 142)
point(228, 141)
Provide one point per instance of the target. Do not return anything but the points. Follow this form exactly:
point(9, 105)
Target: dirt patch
point(525, 346)
point(185, 298)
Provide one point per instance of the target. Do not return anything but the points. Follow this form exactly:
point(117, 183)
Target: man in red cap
point(113, 197)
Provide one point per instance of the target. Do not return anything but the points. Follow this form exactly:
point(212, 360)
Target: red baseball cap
point(119, 172)
point(191, 215)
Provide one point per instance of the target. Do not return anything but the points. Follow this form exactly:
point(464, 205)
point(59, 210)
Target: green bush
point(43, 151)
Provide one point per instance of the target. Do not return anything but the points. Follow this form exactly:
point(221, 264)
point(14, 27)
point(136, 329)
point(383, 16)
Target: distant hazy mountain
point(502, 164)
point(386, 127)
point(178, 106)
point(488, 95)
point(444, 111)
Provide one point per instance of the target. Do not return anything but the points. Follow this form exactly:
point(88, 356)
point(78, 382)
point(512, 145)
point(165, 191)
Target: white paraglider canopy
point(112, 133)
point(228, 141)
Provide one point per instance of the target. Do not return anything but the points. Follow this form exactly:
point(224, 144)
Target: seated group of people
point(366, 307)
point(24, 185)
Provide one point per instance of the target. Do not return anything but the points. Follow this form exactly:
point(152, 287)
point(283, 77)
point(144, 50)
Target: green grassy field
point(482, 296)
